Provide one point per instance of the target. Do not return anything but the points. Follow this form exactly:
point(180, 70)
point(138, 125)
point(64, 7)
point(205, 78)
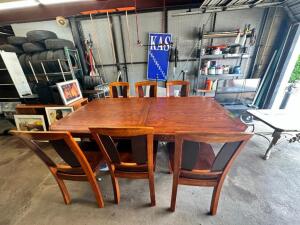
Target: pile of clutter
point(39, 46)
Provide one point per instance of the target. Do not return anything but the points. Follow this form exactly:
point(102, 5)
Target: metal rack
point(7, 87)
point(240, 56)
point(66, 75)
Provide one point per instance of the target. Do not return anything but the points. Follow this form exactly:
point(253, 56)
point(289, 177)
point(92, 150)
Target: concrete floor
point(255, 192)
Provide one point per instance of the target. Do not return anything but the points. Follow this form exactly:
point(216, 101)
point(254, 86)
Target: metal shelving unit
point(66, 75)
point(226, 56)
point(8, 91)
point(240, 56)
point(13, 87)
point(223, 76)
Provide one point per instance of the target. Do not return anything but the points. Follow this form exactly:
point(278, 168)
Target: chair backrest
point(139, 88)
point(62, 142)
point(188, 146)
point(123, 89)
point(184, 90)
point(141, 143)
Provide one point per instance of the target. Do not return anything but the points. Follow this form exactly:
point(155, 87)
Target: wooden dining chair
point(195, 163)
point(140, 86)
point(136, 163)
point(123, 87)
point(184, 90)
point(78, 165)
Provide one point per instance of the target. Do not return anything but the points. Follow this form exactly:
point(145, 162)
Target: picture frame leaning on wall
point(56, 113)
point(69, 91)
point(30, 122)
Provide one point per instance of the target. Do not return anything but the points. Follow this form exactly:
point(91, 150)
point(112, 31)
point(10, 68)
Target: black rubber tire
point(91, 81)
point(73, 59)
point(27, 59)
point(36, 63)
point(23, 63)
point(43, 57)
point(55, 44)
point(52, 66)
point(14, 40)
point(60, 54)
point(11, 48)
point(40, 35)
point(33, 47)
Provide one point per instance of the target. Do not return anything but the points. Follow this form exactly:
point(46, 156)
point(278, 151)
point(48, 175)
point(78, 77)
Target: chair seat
point(128, 164)
point(94, 159)
point(205, 159)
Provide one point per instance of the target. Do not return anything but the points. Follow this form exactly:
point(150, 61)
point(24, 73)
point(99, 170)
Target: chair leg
point(152, 189)
point(170, 167)
point(62, 187)
point(116, 188)
point(174, 192)
point(155, 149)
point(215, 198)
point(97, 191)
point(170, 148)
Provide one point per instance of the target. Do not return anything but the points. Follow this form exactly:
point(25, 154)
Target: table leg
point(276, 136)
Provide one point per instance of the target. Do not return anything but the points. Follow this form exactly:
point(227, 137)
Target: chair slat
point(140, 85)
point(184, 90)
point(124, 89)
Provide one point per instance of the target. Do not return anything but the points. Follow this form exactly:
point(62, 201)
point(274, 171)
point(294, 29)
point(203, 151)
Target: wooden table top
point(165, 115)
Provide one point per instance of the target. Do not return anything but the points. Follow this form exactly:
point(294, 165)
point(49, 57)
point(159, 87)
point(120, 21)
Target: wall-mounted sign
point(158, 56)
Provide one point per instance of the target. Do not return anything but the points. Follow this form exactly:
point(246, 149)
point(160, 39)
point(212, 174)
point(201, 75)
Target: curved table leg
point(276, 136)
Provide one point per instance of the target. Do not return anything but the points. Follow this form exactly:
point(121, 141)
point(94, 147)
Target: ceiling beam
point(49, 12)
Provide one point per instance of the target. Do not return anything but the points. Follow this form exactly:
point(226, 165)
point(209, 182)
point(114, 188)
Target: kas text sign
point(158, 56)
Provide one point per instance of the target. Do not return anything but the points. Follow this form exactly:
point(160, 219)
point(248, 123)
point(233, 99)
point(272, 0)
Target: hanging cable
point(137, 24)
point(95, 37)
point(163, 17)
point(111, 38)
point(128, 36)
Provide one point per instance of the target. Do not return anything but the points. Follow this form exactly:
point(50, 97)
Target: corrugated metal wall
point(293, 8)
point(185, 34)
point(183, 28)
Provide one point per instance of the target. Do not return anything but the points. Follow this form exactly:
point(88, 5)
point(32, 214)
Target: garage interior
point(239, 57)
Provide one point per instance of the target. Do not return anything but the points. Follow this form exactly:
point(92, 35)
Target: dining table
point(167, 115)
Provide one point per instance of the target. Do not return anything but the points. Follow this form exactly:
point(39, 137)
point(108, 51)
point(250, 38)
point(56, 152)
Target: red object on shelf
point(208, 85)
point(218, 46)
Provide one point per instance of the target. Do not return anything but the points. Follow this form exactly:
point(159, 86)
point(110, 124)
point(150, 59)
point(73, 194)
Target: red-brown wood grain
point(165, 115)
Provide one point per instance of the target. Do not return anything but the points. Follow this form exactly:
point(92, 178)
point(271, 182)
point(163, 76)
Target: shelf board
point(223, 34)
point(51, 74)
point(3, 69)
point(225, 56)
point(205, 91)
point(230, 90)
point(7, 85)
point(222, 76)
point(9, 98)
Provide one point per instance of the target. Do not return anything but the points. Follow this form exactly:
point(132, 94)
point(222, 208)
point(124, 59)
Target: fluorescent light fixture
point(18, 4)
point(52, 2)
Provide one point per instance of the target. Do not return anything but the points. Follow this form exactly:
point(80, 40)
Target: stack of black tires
point(40, 46)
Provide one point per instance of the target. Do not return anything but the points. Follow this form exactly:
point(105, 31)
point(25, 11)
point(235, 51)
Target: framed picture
point(30, 122)
point(57, 113)
point(69, 91)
